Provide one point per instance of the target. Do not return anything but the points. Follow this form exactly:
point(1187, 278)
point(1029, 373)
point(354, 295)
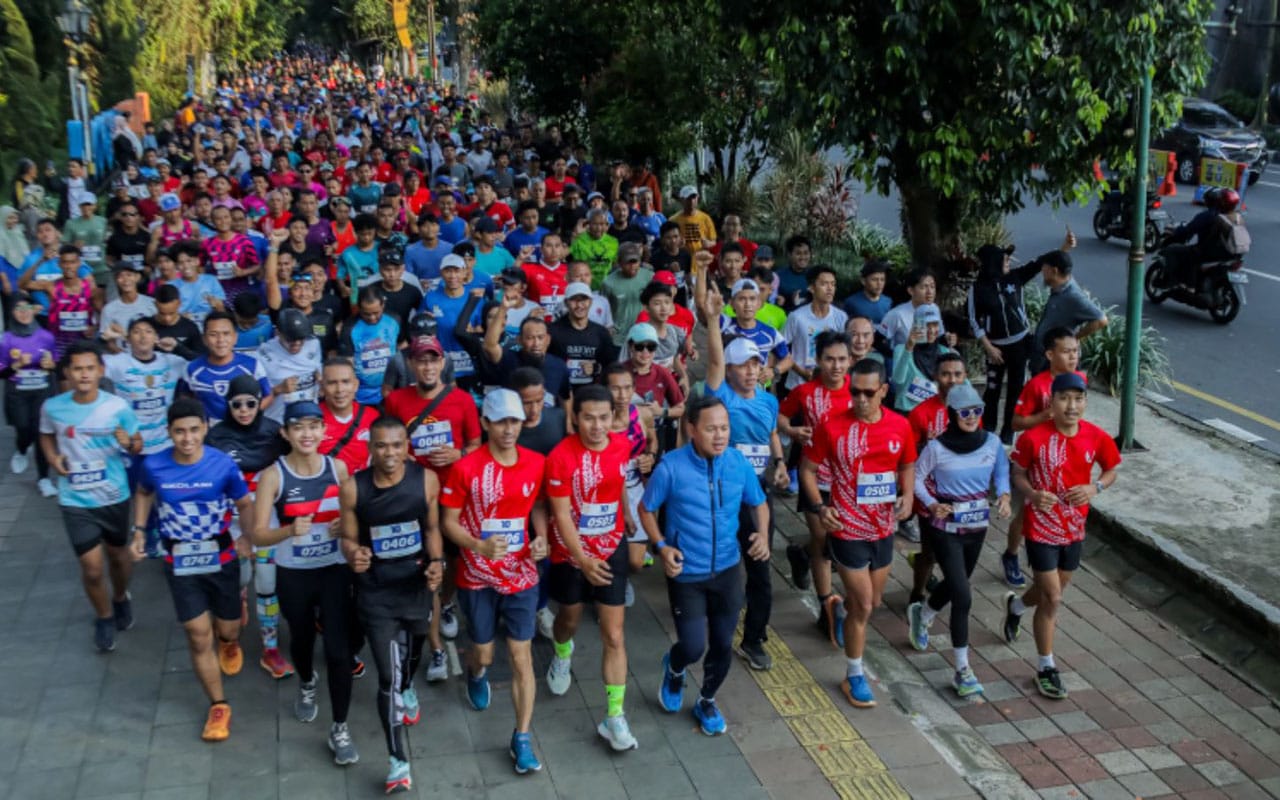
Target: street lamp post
point(74, 22)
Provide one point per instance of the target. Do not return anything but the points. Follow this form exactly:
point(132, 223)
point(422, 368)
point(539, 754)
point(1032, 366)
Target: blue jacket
point(703, 497)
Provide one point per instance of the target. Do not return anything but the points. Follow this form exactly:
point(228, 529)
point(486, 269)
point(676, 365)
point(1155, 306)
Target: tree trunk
point(930, 223)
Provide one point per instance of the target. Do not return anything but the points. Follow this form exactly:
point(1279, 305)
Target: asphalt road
point(1227, 376)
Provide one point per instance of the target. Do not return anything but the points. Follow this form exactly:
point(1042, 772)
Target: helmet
point(1228, 200)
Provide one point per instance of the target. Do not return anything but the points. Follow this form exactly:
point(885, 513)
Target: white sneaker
point(449, 621)
point(559, 676)
point(546, 623)
point(18, 464)
point(437, 667)
point(617, 733)
point(46, 487)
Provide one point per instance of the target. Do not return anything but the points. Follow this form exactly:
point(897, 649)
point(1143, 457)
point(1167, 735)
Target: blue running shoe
point(671, 692)
point(1012, 571)
point(919, 631)
point(398, 779)
point(478, 691)
point(857, 691)
point(522, 754)
point(409, 705)
point(966, 683)
point(709, 717)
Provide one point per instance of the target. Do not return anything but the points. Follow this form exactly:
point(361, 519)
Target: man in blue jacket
point(703, 485)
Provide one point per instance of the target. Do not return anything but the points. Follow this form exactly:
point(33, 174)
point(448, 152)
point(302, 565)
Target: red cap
point(665, 276)
point(422, 345)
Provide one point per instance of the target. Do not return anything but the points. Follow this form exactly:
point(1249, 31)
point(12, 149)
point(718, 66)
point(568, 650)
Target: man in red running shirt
point(586, 477)
point(1053, 468)
point(486, 502)
point(346, 422)
point(870, 453)
point(816, 400)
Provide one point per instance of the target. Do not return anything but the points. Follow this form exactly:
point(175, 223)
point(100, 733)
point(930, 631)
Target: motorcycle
point(1114, 217)
point(1219, 286)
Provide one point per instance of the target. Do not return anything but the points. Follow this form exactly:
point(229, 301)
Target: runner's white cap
point(743, 284)
point(577, 289)
point(500, 404)
point(741, 351)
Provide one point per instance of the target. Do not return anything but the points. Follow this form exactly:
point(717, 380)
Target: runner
point(208, 377)
point(253, 441)
point(291, 360)
point(194, 488)
point(869, 452)
point(586, 346)
point(703, 486)
point(637, 424)
point(300, 491)
point(487, 500)
point(733, 375)
point(391, 538)
point(346, 422)
point(27, 365)
point(953, 478)
point(818, 399)
point(85, 434)
point(1053, 468)
point(586, 478)
point(370, 341)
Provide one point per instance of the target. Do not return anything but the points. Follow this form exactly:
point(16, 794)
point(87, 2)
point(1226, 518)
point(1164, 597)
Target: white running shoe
point(559, 676)
point(617, 733)
point(18, 464)
point(46, 487)
point(546, 623)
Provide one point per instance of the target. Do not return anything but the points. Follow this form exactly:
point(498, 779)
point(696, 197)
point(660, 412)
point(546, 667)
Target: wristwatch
point(140, 528)
point(1098, 485)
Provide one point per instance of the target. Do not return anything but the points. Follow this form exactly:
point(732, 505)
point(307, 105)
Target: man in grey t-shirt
point(1067, 307)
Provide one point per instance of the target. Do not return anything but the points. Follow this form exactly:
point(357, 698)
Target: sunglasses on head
point(867, 393)
point(974, 412)
point(651, 346)
point(250, 405)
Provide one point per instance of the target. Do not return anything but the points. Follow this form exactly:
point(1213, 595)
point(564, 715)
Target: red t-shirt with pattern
point(1054, 463)
point(594, 483)
point(818, 404)
point(864, 459)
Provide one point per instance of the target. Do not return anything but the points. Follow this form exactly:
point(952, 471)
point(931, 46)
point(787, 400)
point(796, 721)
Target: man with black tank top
point(391, 538)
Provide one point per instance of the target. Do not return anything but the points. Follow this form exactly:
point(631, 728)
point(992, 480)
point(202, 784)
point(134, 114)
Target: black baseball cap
point(293, 325)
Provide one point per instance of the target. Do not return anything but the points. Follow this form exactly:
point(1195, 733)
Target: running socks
point(855, 666)
point(269, 620)
point(615, 694)
point(564, 650)
point(1046, 661)
point(962, 657)
point(1017, 606)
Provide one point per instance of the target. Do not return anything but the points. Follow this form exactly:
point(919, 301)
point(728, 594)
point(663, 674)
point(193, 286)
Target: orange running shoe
point(230, 657)
point(218, 726)
point(276, 664)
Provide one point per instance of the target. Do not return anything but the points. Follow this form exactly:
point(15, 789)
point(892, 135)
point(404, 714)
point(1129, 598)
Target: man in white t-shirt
point(292, 362)
point(128, 306)
point(806, 322)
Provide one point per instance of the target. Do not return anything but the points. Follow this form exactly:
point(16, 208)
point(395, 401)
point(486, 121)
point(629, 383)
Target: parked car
point(1206, 126)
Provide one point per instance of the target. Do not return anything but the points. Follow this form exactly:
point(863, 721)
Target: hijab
point(958, 441)
point(925, 355)
point(254, 446)
point(13, 241)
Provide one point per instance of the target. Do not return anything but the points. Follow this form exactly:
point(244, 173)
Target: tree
point(969, 107)
point(27, 114)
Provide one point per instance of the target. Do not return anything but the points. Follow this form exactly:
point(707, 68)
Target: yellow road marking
point(1225, 404)
point(845, 759)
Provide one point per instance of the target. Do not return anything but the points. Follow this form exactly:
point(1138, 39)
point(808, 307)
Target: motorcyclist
point(1182, 259)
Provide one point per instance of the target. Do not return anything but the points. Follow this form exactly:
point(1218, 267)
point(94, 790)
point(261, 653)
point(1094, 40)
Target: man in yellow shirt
point(696, 226)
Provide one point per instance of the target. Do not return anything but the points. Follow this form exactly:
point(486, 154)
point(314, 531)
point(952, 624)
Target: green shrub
point(1241, 104)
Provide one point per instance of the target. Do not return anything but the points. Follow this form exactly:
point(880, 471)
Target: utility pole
point(1137, 267)
point(431, 38)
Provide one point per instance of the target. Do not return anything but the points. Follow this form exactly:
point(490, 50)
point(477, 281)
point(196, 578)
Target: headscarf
point(958, 441)
point(13, 241)
point(254, 446)
point(926, 355)
point(122, 129)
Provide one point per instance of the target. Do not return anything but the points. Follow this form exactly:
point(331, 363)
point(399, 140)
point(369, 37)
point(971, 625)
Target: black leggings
point(396, 654)
point(328, 589)
point(1015, 367)
point(957, 555)
point(22, 410)
point(706, 614)
point(759, 584)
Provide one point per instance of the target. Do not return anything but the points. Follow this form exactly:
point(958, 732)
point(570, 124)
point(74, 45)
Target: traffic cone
point(1169, 187)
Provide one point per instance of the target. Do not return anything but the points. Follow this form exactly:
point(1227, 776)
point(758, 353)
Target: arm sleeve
point(1001, 474)
point(924, 468)
point(978, 330)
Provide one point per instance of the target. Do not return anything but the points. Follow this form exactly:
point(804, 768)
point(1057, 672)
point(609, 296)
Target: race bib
point(512, 529)
point(969, 514)
point(31, 379)
point(375, 359)
point(73, 321)
point(148, 405)
point(224, 270)
point(368, 208)
point(316, 544)
point(551, 303)
point(875, 488)
point(597, 519)
point(430, 436)
point(196, 558)
point(921, 389)
point(757, 456)
point(396, 540)
point(86, 475)
point(91, 252)
point(578, 370)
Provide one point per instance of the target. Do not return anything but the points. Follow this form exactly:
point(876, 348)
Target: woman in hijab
point(955, 475)
point(13, 251)
point(915, 363)
point(254, 443)
point(998, 318)
point(26, 366)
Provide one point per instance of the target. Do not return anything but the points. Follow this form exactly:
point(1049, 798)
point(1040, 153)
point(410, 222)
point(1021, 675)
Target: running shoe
point(1012, 621)
point(966, 683)
point(546, 623)
point(357, 667)
point(617, 733)
point(798, 558)
point(919, 631)
point(1013, 571)
point(398, 779)
point(449, 621)
point(834, 606)
point(122, 610)
point(559, 676)
point(522, 754)
point(755, 656)
point(478, 692)
point(671, 692)
point(217, 726)
point(230, 657)
point(46, 487)
point(104, 634)
point(304, 707)
point(437, 667)
point(18, 464)
point(709, 717)
point(275, 663)
point(909, 530)
point(857, 691)
point(341, 744)
point(1049, 683)
point(410, 706)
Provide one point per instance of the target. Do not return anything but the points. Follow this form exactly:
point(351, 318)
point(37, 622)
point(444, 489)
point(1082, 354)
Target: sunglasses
point(128, 213)
point(650, 346)
point(867, 393)
point(974, 412)
point(248, 405)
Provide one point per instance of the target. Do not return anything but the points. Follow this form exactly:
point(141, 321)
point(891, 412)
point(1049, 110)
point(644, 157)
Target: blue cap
point(1068, 381)
point(302, 409)
point(963, 396)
